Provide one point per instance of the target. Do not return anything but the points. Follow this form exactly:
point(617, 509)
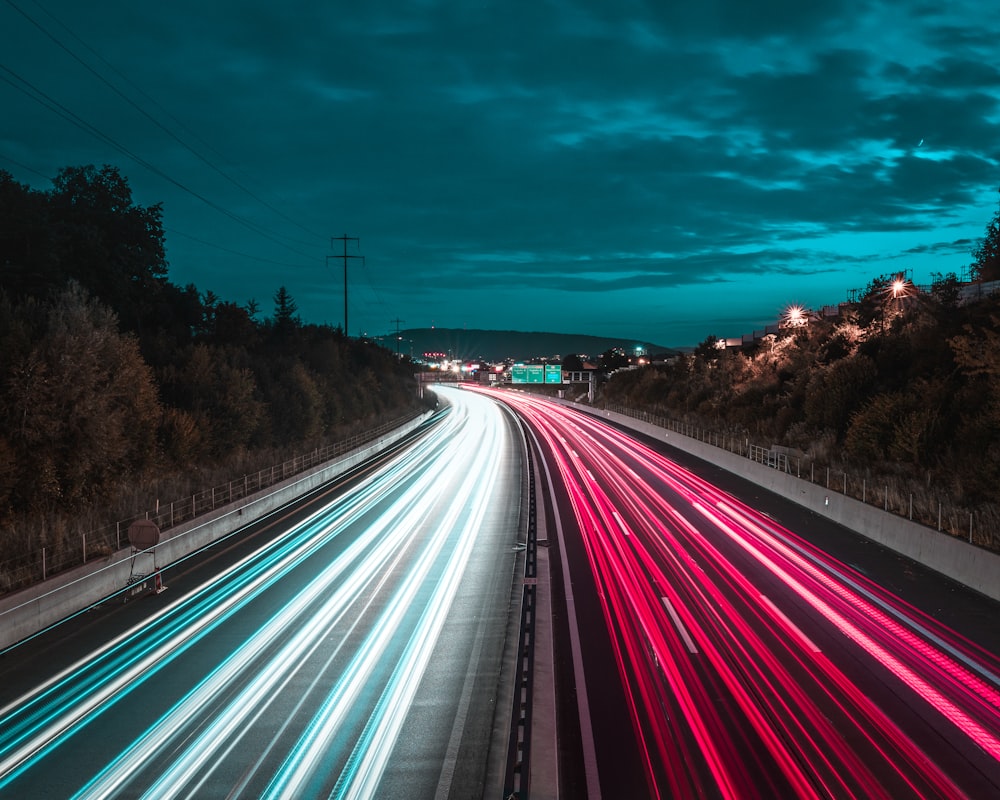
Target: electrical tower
point(397, 321)
point(345, 239)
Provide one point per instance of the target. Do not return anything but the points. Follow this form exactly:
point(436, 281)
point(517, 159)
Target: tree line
point(113, 376)
point(904, 382)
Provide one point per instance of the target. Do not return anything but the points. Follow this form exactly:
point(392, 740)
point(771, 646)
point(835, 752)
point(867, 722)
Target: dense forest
point(903, 385)
point(113, 378)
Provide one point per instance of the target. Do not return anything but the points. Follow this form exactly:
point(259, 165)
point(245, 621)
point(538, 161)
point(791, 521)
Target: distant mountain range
point(474, 345)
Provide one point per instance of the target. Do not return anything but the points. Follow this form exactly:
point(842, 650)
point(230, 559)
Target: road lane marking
point(688, 641)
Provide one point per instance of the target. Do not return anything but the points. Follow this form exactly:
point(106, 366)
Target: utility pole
point(397, 321)
point(345, 239)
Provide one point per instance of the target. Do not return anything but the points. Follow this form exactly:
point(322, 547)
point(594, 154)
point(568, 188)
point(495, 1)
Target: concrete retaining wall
point(972, 566)
point(26, 612)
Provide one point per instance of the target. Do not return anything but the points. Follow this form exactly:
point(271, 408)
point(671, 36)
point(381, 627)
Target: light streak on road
point(291, 674)
point(755, 665)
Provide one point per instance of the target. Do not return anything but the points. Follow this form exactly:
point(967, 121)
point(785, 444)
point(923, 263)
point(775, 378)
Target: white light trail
point(370, 618)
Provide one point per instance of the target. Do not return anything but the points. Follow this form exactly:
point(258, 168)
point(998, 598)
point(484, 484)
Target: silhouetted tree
point(986, 255)
point(945, 289)
point(234, 326)
point(111, 246)
point(285, 319)
point(28, 263)
point(708, 350)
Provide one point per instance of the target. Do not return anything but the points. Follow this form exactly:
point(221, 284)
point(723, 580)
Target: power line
point(25, 167)
point(175, 232)
point(142, 111)
point(36, 94)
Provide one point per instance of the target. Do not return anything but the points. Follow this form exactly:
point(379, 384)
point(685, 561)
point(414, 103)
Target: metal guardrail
point(38, 565)
point(933, 512)
point(768, 457)
point(519, 744)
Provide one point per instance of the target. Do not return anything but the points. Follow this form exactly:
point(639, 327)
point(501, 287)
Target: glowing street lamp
point(899, 287)
point(794, 317)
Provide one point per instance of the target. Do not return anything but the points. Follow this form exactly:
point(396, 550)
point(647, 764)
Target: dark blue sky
point(653, 170)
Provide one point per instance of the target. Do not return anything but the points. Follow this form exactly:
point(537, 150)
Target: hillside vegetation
point(903, 385)
point(118, 387)
point(902, 388)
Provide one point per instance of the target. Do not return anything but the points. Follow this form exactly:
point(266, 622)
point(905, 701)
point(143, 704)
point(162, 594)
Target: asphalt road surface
point(349, 646)
point(710, 640)
point(734, 650)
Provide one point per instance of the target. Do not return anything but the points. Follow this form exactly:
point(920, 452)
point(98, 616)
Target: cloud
point(577, 146)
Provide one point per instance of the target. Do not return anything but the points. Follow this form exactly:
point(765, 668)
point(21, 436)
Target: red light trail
point(754, 664)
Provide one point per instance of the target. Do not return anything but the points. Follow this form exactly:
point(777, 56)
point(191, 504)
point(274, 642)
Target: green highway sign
point(527, 373)
point(536, 373)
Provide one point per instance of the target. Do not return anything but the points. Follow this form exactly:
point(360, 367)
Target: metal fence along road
point(43, 562)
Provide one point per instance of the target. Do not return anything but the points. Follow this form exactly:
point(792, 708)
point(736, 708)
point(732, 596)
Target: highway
point(348, 647)
point(357, 644)
point(713, 652)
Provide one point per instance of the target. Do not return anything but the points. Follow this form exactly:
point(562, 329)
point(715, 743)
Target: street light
point(897, 288)
point(795, 316)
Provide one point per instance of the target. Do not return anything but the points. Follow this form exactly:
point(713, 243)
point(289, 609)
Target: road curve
point(348, 648)
point(746, 662)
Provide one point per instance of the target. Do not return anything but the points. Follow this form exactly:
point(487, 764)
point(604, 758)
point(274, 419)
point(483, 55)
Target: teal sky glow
point(649, 170)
